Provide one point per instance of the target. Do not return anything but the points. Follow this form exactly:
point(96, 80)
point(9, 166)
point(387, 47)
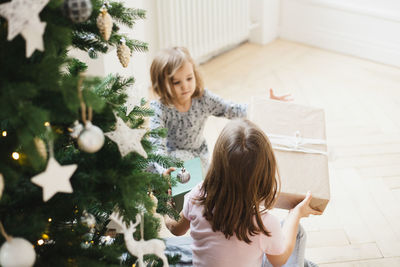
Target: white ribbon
point(296, 143)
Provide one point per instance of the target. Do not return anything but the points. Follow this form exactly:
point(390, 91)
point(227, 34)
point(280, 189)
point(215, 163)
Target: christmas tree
point(70, 153)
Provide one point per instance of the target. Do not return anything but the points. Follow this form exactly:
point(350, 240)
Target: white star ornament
point(127, 139)
point(23, 17)
point(33, 37)
point(55, 179)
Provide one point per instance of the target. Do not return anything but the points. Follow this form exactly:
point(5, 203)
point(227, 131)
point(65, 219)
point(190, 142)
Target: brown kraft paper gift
point(297, 134)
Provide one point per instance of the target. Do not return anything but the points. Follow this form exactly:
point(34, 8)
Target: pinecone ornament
point(41, 147)
point(124, 53)
point(104, 23)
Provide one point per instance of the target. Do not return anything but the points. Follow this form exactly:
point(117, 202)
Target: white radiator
point(205, 27)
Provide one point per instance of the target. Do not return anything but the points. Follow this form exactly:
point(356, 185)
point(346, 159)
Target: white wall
point(264, 19)
point(364, 28)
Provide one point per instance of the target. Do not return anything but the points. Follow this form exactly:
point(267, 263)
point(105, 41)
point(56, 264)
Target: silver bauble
point(183, 176)
point(17, 252)
point(78, 10)
point(91, 138)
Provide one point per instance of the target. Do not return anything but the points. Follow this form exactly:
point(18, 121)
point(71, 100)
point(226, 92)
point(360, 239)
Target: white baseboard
point(336, 25)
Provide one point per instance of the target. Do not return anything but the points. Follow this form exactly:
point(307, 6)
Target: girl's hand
point(285, 98)
point(167, 175)
point(168, 171)
point(303, 209)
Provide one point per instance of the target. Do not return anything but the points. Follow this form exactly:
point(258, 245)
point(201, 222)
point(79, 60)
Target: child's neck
point(183, 107)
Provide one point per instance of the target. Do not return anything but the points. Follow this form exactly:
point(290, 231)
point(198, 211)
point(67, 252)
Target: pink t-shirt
point(213, 249)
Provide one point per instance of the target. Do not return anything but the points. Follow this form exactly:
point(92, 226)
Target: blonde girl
point(184, 105)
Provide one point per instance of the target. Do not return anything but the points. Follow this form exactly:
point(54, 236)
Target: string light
point(44, 236)
point(49, 219)
point(40, 242)
point(15, 155)
point(47, 124)
point(4, 133)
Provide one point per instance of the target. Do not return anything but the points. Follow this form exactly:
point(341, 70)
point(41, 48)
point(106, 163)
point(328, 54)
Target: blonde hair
point(242, 176)
point(163, 68)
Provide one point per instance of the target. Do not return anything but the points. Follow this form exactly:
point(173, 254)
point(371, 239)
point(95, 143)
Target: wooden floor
point(361, 226)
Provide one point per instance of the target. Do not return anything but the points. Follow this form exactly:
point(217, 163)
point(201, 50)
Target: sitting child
point(184, 106)
point(228, 215)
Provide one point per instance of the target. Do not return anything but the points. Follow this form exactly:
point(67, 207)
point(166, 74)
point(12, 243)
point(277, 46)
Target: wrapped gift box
point(297, 134)
point(193, 166)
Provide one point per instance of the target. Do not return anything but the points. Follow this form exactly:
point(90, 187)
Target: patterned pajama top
point(185, 138)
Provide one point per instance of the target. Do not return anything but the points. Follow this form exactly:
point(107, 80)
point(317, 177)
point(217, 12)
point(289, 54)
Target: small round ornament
point(183, 176)
point(124, 53)
point(104, 23)
point(92, 53)
point(40, 147)
point(17, 252)
point(78, 10)
point(88, 219)
point(91, 138)
point(76, 130)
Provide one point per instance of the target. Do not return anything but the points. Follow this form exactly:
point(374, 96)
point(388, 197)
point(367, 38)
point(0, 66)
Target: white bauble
point(17, 252)
point(91, 138)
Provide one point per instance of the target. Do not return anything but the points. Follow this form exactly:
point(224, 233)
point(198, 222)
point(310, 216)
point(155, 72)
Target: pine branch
point(137, 45)
point(141, 112)
point(126, 16)
point(165, 161)
point(85, 41)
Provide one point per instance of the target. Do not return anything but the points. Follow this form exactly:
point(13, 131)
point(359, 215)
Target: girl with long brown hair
point(228, 213)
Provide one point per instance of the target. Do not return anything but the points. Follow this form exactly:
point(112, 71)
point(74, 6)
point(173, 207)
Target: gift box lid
point(193, 166)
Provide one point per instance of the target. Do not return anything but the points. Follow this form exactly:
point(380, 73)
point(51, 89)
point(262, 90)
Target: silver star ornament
point(127, 139)
point(55, 179)
point(23, 18)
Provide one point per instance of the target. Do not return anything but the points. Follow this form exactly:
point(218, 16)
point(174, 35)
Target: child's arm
point(290, 228)
point(220, 107)
point(284, 98)
point(157, 121)
point(179, 227)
